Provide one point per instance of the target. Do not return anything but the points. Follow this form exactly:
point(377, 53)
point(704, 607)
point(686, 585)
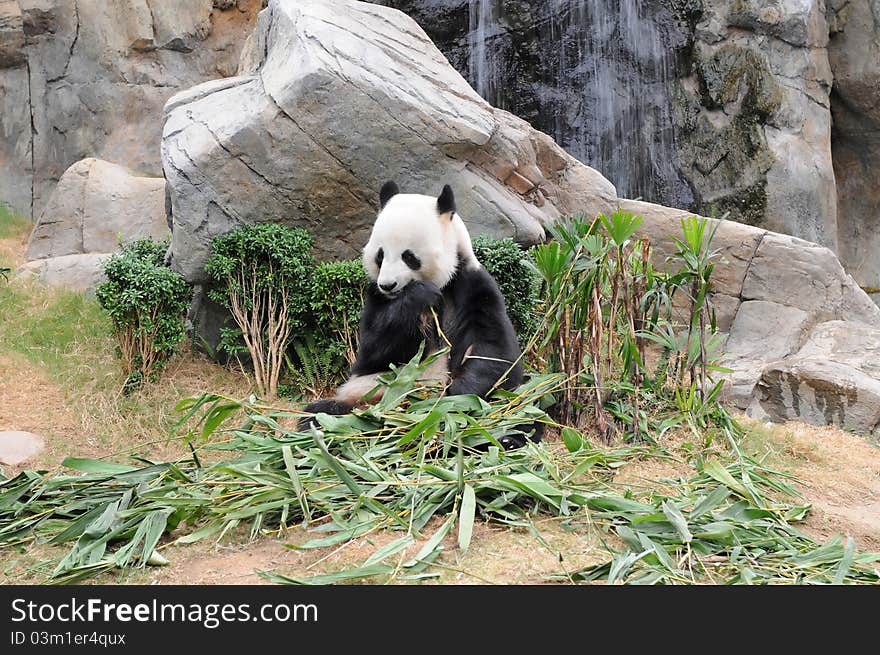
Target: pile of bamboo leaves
point(396, 465)
point(722, 526)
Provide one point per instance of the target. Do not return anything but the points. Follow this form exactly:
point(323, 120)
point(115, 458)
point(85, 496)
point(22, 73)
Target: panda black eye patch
point(411, 260)
point(380, 256)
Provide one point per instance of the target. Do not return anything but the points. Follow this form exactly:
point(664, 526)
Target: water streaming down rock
point(604, 78)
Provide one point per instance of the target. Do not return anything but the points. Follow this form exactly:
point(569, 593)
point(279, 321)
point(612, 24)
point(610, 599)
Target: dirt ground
point(84, 415)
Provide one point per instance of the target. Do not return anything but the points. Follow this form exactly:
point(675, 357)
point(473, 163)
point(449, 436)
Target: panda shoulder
point(477, 281)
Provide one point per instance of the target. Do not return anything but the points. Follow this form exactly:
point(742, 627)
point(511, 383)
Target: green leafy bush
point(261, 273)
point(337, 298)
point(321, 355)
point(519, 284)
point(147, 303)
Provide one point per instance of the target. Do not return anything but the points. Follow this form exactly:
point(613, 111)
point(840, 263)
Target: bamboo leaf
point(466, 517)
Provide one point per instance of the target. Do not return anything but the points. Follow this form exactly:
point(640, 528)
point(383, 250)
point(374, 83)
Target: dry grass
point(839, 475)
point(59, 376)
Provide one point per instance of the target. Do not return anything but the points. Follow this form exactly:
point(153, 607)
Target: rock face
point(717, 106)
point(88, 78)
point(15, 115)
point(854, 52)
point(345, 96)
point(338, 96)
point(95, 206)
point(754, 116)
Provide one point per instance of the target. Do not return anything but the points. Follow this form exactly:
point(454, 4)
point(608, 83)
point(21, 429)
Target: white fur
point(411, 222)
point(357, 387)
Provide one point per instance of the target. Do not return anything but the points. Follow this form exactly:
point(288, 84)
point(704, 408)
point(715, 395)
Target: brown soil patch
point(839, 475)
point(31, 402)
point(498, 555)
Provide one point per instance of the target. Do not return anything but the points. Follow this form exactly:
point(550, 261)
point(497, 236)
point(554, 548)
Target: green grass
point(12, 224)
point(55, 329)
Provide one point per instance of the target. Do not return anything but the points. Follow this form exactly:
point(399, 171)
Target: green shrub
point(147, 303)
point(262, 273)
point(320, 356)
point(337, 298)
point(509, 265)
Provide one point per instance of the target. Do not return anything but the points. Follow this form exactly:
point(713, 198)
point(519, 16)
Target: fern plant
point(316, 367)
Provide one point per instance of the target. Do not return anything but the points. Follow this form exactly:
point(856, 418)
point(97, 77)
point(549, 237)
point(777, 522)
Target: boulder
point(89, 78)
point(75, 272)
point(323, 120)
point(834, 379)
point(95, 206)
point(18, 447)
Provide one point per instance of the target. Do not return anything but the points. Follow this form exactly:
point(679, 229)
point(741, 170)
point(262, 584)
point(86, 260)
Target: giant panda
point(419, 258)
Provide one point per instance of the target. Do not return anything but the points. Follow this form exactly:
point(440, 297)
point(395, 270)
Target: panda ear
point(389, 190)
point(446, 201)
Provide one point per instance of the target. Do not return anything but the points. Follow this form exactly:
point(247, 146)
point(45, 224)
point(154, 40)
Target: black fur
point(388, 191)
point(329, 406)
point(484, 343)
point(446, 201)
point(473, 316)
point(392, 329)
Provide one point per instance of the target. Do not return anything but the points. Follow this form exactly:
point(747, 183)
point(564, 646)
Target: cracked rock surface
point(89, 78)
point(341, 97)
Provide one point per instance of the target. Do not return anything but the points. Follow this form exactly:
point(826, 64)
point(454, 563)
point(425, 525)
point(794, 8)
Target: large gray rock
point(854, 51)
point(75, 272)
point(95, 207)
point(345, 95)
point(834, 379)
point(89, 78)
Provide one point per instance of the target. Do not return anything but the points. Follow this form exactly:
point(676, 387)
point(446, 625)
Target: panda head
point(416, 237)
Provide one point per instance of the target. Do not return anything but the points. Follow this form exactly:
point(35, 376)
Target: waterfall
point(482, 56)
point(607, 74)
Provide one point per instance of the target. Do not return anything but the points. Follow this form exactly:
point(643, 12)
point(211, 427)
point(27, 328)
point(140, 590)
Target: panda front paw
point(422, 295)
point(511, 442)
point(331, 406)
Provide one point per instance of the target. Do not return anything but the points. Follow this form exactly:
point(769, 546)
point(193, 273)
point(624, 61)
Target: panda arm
point(392, 328)
point(485, 344)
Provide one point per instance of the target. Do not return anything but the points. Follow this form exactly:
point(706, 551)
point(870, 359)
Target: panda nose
point(388, 287)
